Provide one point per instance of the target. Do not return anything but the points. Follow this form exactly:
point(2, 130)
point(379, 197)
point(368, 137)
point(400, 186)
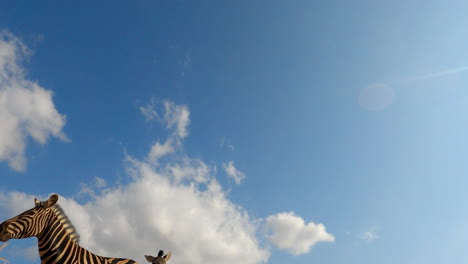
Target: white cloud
point(96, 186)
point(159, 150)
point(376, 96)
point(233, 172)
point(175, 205)
point(290, 233)
point(370, 235)
point(26, 108)
point(175, 117)
point(149, 111)
point(154, 212)
point(178, 117)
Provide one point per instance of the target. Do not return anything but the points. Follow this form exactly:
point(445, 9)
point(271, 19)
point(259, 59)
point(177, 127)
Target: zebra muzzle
point(4, 235)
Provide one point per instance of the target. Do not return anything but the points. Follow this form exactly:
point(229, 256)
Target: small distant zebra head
point(30, 223)
point(160, 259)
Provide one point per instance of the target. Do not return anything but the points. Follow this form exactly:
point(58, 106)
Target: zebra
point(56, 235)
point(160, 259)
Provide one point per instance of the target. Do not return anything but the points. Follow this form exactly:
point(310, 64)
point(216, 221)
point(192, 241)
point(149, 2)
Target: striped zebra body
point(57, 237)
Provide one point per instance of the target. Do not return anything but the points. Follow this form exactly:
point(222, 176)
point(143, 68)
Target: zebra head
point(160, 259)
point(30, 223)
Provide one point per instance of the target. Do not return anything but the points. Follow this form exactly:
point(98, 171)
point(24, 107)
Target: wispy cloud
point(175, 117)
point(233, 172)
point(159, 150)
point(380, 95)
point(369, 235)
point(26, 108)
point(438, 74)
point(225, 144)
point(186, 62)
point(149, 111)
point(1, 248)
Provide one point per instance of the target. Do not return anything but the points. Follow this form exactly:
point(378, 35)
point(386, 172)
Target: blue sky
point(318, 132)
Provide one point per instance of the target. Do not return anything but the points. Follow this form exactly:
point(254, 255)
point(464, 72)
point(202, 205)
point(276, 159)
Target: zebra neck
point(56, 246)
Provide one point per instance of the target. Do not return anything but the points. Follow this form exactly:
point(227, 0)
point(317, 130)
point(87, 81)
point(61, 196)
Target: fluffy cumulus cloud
point(26, 108)
point(175, 205)
point(290, 233)
point(172, 202)
point(155, 212)
point(233, 172)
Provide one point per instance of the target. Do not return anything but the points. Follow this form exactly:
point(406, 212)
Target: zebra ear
point(149, 258)
point(52, 200)
point(36, 202)
point(167, 256)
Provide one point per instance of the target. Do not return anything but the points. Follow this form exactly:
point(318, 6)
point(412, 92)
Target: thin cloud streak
point(380, 95)
point(437, 74)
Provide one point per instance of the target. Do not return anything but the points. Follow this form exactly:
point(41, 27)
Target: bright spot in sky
point(376, 96)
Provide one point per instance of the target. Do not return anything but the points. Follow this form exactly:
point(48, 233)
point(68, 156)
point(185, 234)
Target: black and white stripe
point(58, 240)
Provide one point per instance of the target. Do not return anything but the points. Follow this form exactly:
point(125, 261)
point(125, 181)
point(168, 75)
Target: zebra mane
point(67, 224)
